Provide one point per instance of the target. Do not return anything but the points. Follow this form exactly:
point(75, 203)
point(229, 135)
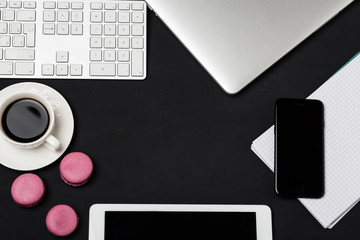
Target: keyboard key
point(48, 28)
point(137, 17)
point(109, 17)
point(49, 5)
point(124, 6)
point(137, 6)
point(8, 15)
point(62, 56)
point(77, 5)
point(102, 69)
point(6, 68)
point(15, 4)
point(49, 16)
point(63, 16)
point(1, 53)
point(63, 5)
point(96, 29)
point(76, 16)
point(62, 69)
point(110, 30)
point(76, 29)
point(137, 42)
point(123, 69)
point(96, 17)
point(18, 41)
point(123, 42)
point(110, 6)
point(26, 15)
point(95, 55)
point(137, 63)
point(109, 42)
point(123, 56)
point(29, 4)
point(15, 28)
point(47, 69)
point(137, 30)
point(95, 42)
point(29, 30)
point(109, 55)
point(124, 30)
point(24, 68)
point(3, 4)
point(63, 29)
point(3, 27)
point(96, 6)
point(76, 69)
point(19, 54)
point(124, 17)
point(5, 41)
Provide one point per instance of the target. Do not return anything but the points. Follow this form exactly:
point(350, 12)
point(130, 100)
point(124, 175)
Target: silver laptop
point(236, 40)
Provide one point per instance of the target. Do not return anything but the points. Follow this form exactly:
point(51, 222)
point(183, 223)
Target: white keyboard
point(73, 39)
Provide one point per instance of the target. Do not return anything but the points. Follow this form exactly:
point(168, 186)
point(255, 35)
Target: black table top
point(178, 138)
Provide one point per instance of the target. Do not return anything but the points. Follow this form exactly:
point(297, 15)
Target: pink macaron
point(62, 220)
point(28, 190)
point(76, 169)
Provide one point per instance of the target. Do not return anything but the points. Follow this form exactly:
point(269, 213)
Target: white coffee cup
point(47, 139)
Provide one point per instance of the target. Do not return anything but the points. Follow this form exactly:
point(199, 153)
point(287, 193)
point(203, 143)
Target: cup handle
point(52, 143)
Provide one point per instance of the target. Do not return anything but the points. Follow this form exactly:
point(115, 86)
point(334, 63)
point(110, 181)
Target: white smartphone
point(169, 221)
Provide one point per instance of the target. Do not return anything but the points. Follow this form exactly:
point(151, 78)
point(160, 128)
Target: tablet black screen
point(180, 225)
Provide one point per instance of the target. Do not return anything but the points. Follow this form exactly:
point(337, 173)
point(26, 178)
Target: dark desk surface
point(178, 138)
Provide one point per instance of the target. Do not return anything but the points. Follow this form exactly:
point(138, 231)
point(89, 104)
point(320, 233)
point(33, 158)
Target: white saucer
point(30, 159)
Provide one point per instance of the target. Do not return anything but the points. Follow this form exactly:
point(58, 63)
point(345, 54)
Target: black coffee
point(25, 120)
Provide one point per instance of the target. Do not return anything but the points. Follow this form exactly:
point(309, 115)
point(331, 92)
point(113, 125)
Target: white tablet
point(175, 222)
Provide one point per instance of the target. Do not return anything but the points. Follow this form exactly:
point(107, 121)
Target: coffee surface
point(25, 120)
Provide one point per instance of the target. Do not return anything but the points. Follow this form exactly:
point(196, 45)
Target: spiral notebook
point(341, 98)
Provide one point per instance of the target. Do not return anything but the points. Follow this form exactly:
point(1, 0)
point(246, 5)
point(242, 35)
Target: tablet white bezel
point(97, 215)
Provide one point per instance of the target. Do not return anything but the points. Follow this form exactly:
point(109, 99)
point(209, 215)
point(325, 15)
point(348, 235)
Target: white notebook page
point(341, 98)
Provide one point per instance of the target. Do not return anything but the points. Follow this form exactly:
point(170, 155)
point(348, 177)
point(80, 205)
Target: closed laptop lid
point(236, 40)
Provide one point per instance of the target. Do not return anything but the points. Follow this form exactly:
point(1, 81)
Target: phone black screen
point(299, 148)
